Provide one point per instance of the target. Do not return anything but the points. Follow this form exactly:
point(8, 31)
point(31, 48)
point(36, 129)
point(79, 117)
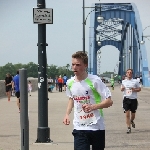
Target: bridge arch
point(120, 19)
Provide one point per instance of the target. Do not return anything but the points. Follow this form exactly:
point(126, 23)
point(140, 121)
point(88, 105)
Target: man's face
point(129, 74)
point(78, 67)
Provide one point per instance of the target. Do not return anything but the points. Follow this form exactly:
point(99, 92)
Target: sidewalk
point(116, 137)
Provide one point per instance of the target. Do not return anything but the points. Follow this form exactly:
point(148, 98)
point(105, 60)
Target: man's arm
point(138, 89)
point(104, 104)
point(12, 85)
point(70, 105)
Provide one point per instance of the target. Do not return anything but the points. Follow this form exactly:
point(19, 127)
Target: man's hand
point(87, 108)
point(66, 120)
point(122, 88)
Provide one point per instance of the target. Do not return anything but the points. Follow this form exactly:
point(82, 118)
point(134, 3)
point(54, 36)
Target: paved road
point(116, 137)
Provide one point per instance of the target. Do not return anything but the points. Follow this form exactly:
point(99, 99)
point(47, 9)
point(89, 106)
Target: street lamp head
point(129, 51)
point(142, 42)
point(100, 19)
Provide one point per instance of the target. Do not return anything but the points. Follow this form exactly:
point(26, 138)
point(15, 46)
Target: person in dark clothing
point(8, 84)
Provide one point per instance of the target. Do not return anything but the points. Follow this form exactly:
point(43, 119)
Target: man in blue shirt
point(17, 89)
point(65, 81)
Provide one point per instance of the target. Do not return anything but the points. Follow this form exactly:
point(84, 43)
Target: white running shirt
point(128, 84)
point(81, 94)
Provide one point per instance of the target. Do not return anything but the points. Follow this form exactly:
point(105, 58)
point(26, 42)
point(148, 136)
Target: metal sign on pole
point(43, 16)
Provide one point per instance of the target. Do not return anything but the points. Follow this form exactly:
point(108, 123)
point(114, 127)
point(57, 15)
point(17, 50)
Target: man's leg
point(8, 95)
point(132, 119)
point(98, 139)
point(64, 87)
point(126, 106)
point(132, 116)
point(81, 141)
point(134, 106)
point(128, 118)
point(128, 122)
point(18, 99)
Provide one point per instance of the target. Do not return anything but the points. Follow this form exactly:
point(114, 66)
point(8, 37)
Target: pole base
point(43, 135)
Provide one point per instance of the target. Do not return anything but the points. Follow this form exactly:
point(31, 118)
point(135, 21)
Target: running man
point(88, 95)
point(17, 89)
point(130, 87)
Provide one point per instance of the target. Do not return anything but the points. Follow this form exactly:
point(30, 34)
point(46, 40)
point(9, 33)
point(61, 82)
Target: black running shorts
point(130, 104)
point(17, 94)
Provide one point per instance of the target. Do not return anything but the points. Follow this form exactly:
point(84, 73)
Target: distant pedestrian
point(60, 83)
point(130, 87)
point(8, 85)
point(29, 87)
point(50, 80)
point(56, 83)
point(65, 78)
point(15, 84)
point(112, 81)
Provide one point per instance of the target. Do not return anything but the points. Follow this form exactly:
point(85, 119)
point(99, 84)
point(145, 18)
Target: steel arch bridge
point(121, 28)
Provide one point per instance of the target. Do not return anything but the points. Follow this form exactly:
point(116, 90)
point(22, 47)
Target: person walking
point(15, 84)
point(130, 87)
point(112, 82)
point(56, 83)
point(60, 83)
point(88, 95)
point(8, 84)
point(29, 87)
point(65, 81)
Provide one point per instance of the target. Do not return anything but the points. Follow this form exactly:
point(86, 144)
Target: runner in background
point(65, 81)
point(112, 81)
point(130, 87)
point(15, 84)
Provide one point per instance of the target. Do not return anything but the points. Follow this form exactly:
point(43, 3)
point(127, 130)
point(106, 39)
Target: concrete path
point(116, 137)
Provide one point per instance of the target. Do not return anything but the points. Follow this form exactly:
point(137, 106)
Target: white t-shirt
point(50, 80)
point(138, 79)
point(128, 84)
point(82, 93)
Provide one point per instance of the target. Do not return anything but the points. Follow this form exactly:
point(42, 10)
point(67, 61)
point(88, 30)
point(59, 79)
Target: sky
point(19, 36)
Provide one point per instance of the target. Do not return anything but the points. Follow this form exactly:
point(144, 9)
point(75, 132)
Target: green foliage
point(32, 70)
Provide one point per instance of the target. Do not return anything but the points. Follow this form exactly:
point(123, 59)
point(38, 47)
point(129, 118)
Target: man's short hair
point(130, 70)
point(17, 71)
point(81, 55)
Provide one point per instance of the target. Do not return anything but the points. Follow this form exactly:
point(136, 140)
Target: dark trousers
point(84, 138)
point(60, 87)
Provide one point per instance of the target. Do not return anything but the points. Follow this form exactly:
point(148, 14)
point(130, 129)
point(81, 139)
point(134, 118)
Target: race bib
point(128, 92)
point(86, 119)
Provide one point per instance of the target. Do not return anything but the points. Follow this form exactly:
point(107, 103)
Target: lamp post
point(145, 36)
point(99, 61)
point(43, 131)
point(83, 27)
point(99, 19)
